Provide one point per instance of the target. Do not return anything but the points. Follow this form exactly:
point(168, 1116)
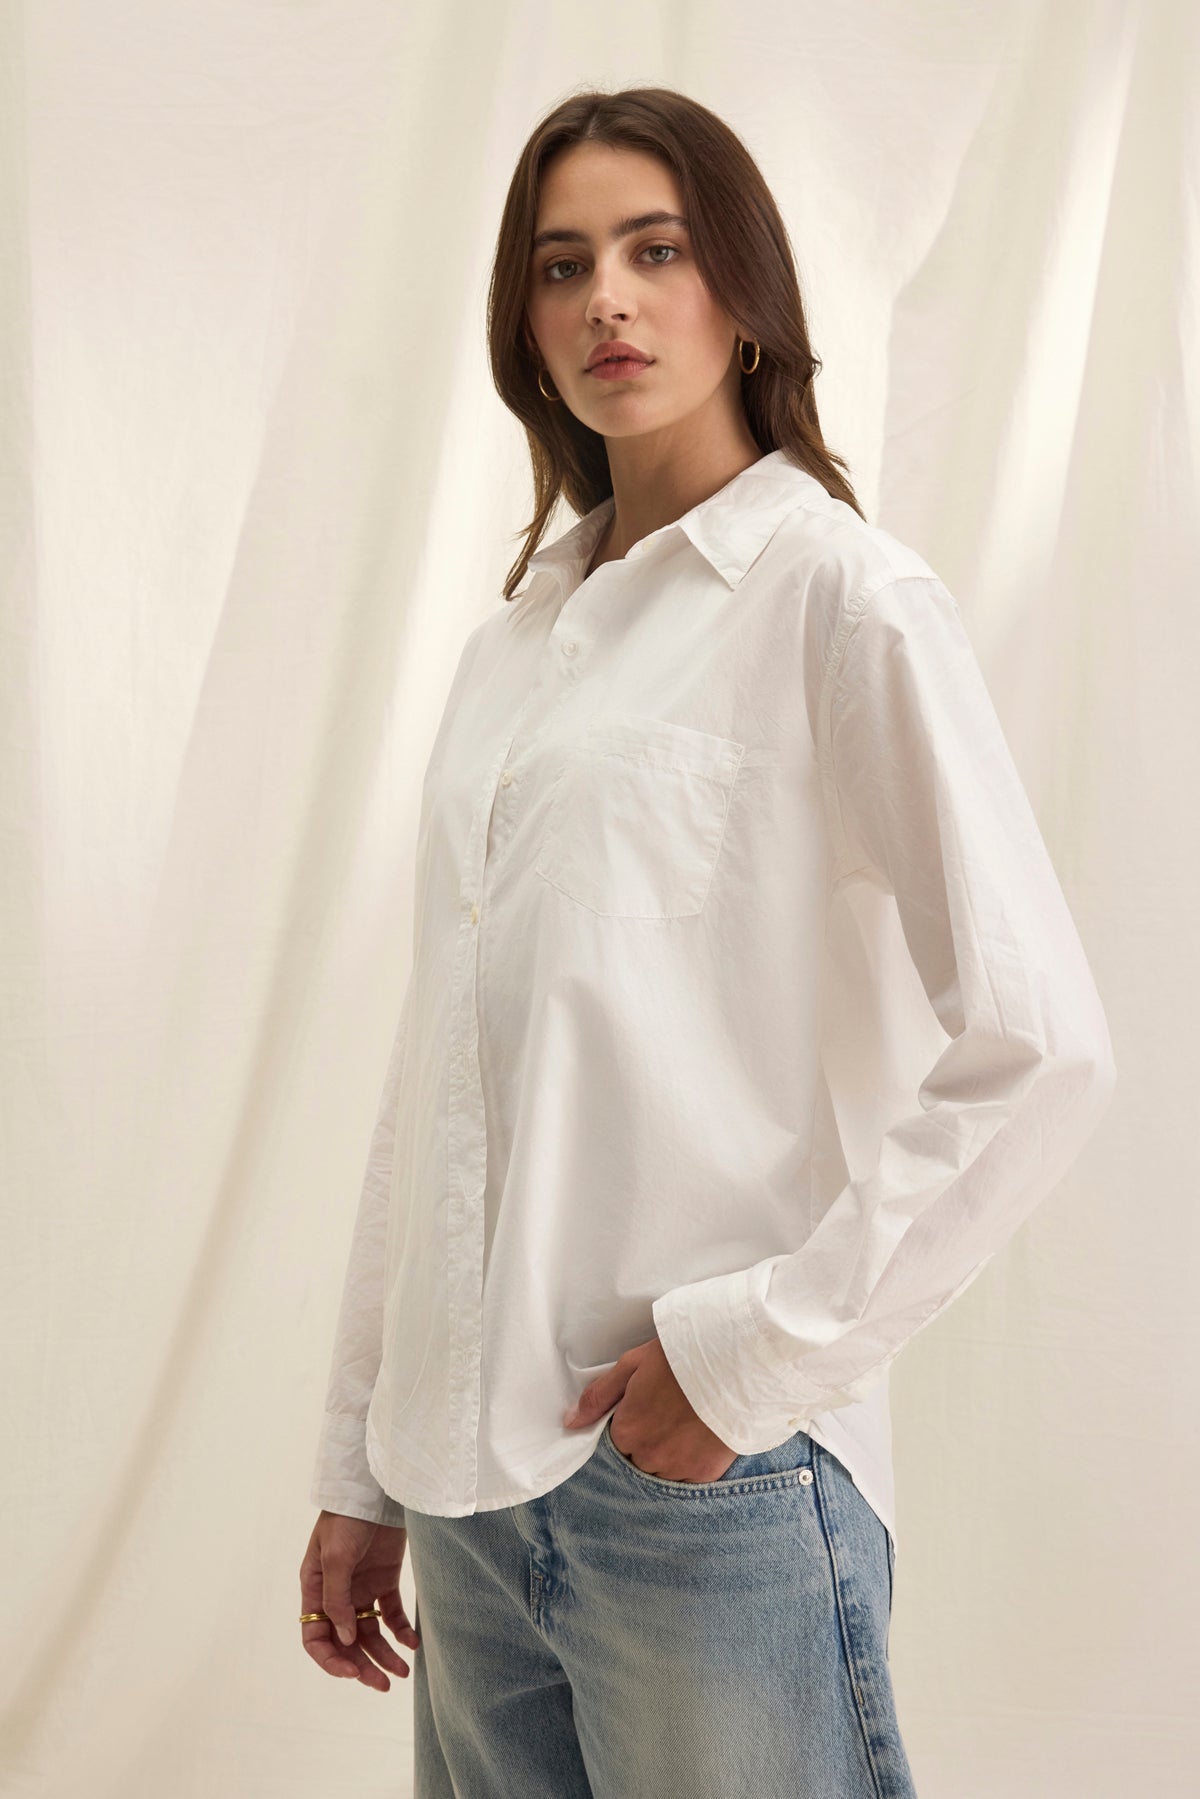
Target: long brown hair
point(745, 258)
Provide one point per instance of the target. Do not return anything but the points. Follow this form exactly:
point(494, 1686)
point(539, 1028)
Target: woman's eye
point(568, 262)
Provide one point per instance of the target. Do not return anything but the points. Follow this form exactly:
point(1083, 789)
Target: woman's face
point(643, 287)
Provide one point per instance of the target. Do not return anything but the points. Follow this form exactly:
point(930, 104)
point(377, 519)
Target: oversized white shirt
point(745, 1008)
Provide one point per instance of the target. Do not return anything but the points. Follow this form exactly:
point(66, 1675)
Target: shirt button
point(474, 914)
point(505, 776)
point(569, 646)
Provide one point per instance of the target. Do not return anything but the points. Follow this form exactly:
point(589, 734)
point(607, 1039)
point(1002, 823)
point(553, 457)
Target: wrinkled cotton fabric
point(746, 1008)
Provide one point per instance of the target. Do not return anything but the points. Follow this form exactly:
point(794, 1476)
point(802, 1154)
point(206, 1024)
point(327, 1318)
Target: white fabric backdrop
point(258, 490)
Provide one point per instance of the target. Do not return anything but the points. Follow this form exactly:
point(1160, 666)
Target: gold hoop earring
point(741, 364)
point(542, 390)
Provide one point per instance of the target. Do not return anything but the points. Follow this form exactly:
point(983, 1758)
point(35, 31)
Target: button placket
point(467, 1141)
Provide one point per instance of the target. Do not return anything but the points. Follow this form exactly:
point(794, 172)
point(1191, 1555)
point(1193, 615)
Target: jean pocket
point(787, 1465)
point(637, 819)
point(792, 1456)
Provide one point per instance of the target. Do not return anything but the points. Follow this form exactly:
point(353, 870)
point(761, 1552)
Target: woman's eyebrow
point(623, 228)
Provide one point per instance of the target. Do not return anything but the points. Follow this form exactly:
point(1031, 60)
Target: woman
point(747, 1021)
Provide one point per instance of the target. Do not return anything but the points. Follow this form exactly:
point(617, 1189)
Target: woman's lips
point(618, 371)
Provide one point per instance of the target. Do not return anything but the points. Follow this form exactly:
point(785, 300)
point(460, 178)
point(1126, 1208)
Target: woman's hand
point(655, 1418)
point(351, 1564)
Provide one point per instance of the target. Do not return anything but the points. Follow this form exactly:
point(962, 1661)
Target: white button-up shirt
point(745, 1009)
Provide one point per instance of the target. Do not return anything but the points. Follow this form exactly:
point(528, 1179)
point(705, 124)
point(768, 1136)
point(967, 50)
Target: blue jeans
point(625, 1636)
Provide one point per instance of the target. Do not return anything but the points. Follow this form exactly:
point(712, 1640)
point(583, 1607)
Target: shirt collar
point(731, 528)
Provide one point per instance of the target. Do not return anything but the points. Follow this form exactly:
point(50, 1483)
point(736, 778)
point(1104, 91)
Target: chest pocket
point(637, 818)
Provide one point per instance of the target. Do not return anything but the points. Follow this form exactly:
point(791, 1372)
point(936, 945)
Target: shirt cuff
point(721, 1360)
point(342, 1479)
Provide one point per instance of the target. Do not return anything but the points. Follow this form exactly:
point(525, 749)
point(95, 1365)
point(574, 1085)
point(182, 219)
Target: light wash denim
point(629, 1637)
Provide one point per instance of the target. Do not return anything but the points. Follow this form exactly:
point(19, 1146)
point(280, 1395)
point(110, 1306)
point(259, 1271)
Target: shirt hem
point(425, 1501)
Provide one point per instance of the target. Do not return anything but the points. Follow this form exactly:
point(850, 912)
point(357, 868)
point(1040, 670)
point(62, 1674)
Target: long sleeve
point(342, 1479)
point(923, 799)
